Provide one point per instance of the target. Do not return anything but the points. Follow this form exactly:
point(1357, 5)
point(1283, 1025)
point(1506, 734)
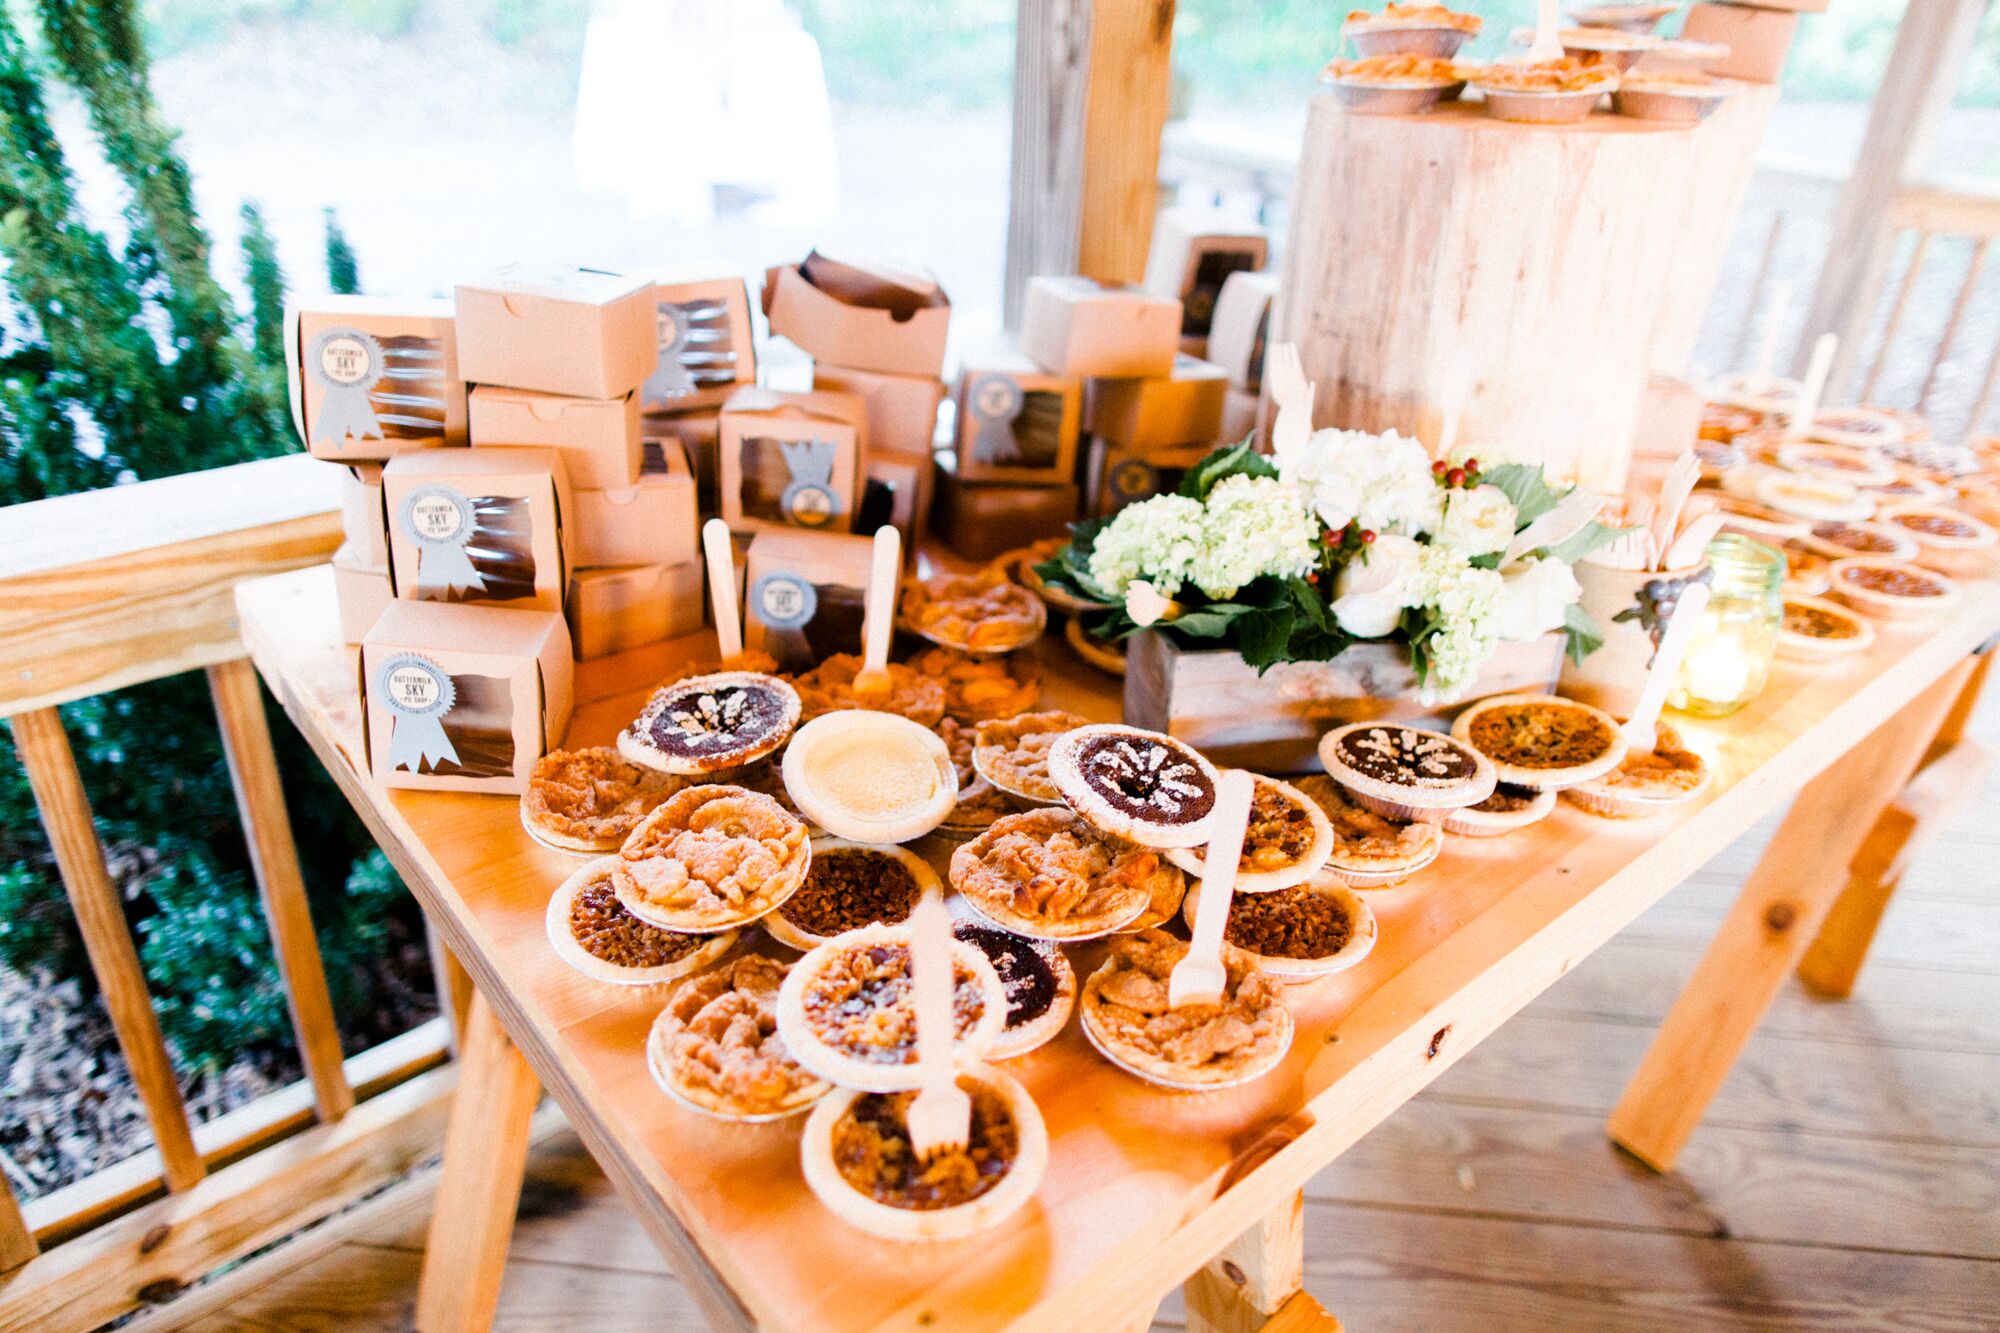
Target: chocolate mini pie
point(1286, 842)
point(1370, 850)
point(1645, 784)
point(1947, 540)
point(710, 858)
point(857, 1159)
point(1814, 630)
point(715, 1048)
point(1508, 808)
point(1013, 754)
point(1406, 772)
point(1140, 785)
point(710, 724)
point(1541, 741)
point(871, 777)
point(848, 1011)
point(1305, 931)
point(1040, 985)
point(589, 801)
point(1196, 1048)
point(592, 932)
point(1050, 875)
point(851, 885)
point(1890, 588)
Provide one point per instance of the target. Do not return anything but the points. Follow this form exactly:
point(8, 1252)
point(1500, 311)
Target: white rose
point(1370, 594)
point(1479, 521)
point(1535, 597)
point(1145, 603)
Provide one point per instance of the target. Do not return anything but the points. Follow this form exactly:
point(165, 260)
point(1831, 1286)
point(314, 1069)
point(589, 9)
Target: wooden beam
point(44, 749)
point(17, 1243)
point(1254, 1277)
point(454, 986)
point(1933, 41)
point(274, 856)
point(1051, 74)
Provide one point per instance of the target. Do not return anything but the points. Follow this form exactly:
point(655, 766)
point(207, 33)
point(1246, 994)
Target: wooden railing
point(109, 589)
point(1969, 211)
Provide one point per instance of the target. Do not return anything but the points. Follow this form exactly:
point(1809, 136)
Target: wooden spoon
point(1200, 977)
point(1817, 369)
point(880, 612)
point(940, 1115)
point(722, 588)
point(1639, 729)
point(1681, 476)
point(1546, 46)
point(1694, 539)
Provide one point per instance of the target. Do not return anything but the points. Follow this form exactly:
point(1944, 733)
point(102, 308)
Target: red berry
point(1455, 477)
point(1330, 538)
point(1472, 465)
point(1367, 537)
point(1438, 467)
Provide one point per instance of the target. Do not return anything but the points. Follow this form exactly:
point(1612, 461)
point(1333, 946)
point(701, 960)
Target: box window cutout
point(409, 399)
point(1210, 272)
point(480, 727)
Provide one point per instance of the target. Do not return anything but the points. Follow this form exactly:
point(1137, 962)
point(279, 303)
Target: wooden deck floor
point(1848, 1176)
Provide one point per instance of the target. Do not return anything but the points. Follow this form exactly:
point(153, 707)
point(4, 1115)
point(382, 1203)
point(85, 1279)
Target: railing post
point(65, 809)
point(274, 856)
point(17, 1243)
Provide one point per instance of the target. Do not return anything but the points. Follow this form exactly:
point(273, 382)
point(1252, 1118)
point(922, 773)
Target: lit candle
point(1717, 670)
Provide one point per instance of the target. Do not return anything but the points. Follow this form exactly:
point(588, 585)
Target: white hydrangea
point(1155, 540)
point(1465, 603)
point(1478, 521)
point(1383, 482)
point(1253, 526)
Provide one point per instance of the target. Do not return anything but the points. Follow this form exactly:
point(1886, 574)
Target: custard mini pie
point(708, 724)
point(871, 777)
point(591, 931)
point(1140, 785)
point(1646, 783)
point(1540, 740)
point(1815, 629)
point(1050, 875)
point(1127, 1016)
point(1013, 754)
point(1286, 842)
point(1406, 772)
point(851, 885)
point(711, 858)
point(1370, 850)
point(715, 1048)
point(590, 800)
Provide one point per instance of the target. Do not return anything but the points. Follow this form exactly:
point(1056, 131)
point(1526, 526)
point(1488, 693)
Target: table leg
point(485, 1154)
point(1769, 927)
point(1256, 1284)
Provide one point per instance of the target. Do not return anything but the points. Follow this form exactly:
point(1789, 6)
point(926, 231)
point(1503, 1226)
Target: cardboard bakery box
point(1759, 40)
point(370, 377)
point(1016, 422)
point(491, 525)
point(902, 409)
point(982, 519)
point(651, 522)
point(707, 349)
point(1242, 324)
point(363, 521)
point(896, 489)
point(790, 459)
point(362, 590)
point(1181, 409)
point(1194, 251)
point(805, 594)
point(597, 437)
point(577, 331)
point(1085, 328)
point(463, 698)
point(1119, 476)
point(696, 433)
point(860, 313)
point(610, 610)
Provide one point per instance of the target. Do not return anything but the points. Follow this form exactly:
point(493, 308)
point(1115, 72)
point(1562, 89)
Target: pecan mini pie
point(1013, 754)
point(978, 689)
point(1837, 541)
point(1286, 842)
point(848, 1011)
point(829, 688)
point(1370, 851)
point(1508, 808)
point(851, 885)
point(1309, 930)
point(1946, 539)
point(983, 612)
point(1406, 772)
point(1137, 784)
point(1856, 427)
point(716, 1049)
point(1050, 875)
point(1040, 985)
point(1645, 783)
point(710, 858)
point(1891, 588)
point(589, 800)
point(1540, 740)
point(858, 1161)
point(707, 724)
point(592, 932)
point(1127, 1017)
point(1814, 629)
point(872, 777)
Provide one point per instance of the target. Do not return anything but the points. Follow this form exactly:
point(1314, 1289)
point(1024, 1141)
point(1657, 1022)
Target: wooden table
point(1145, 1189)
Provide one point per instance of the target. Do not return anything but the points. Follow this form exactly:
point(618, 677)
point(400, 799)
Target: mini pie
point(592, 932)
point(848, 1011)
point(872, 777)
point(979, 801)
point(710, 858)
point(1863, 467)
point(851, 885)
point(1049, 875)
point(1765, 394)
point(716, 1045)
point(1837, 540)
point(1891, 588)
point(1814, 629)
point(829, 688)
point(1040, 985)
point(1406, 772)
point(1308, 930)
point(1394, 16)
point(1013, 754)
point(1286, 842)
point(1404, 69)
point(1370, 851)
point(1019, 565)
point(590, 800)
point(983, 612)
point(1508, 808)
point(1856, 426)
point(1127, 1017)
point(1910, 485)
point(1946, 539)
point(1807, 572)
point(1567, 75)
point(1817, 498)
point(1106, 657)
point(1540, 740)
point(707, 724)
point(980, 688)
point(1645, 783)
point(1136, 784)
point(1723, 422)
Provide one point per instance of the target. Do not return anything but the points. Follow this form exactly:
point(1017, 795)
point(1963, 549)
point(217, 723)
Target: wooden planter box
point(1272, 723)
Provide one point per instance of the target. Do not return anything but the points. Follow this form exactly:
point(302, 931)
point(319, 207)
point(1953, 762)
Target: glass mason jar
point(1729, 658)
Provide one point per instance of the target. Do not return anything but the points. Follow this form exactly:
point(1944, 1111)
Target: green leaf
point(1582, 634)
point(1235, 460)
point(1211, 621)
point(1526, 485)
point(1264, 637)
point(1581, 543)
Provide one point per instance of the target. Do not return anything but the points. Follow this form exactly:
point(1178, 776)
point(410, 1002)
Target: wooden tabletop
point(1143, 1186)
